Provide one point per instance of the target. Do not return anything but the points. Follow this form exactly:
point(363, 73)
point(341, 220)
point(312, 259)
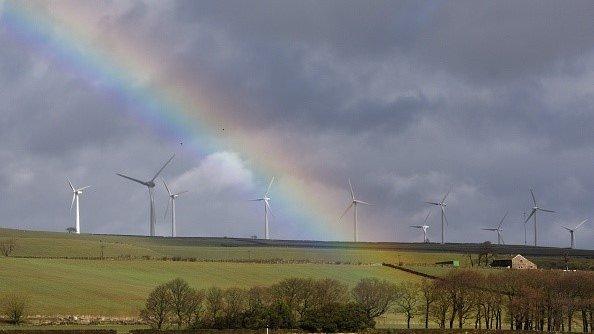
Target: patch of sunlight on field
point(109, 287)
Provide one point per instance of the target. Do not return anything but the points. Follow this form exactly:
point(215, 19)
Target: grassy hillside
point(62, 245)
point(62, 274)
point(95, 287)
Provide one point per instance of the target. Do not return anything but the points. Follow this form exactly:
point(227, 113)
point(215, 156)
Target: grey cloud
point(406, 98)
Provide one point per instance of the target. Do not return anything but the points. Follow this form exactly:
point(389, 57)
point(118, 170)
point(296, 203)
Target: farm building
point(516, 262)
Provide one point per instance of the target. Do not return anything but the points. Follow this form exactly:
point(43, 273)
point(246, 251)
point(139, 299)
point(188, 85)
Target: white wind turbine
point(525, 228)
point(425, 227)
point(171, 202)
point(442, 205)
point(535, 209)
point(354, 203)
point(150, 184)
point(75, 198)
point(266, 200)
point(498, 229)
point(572, 230)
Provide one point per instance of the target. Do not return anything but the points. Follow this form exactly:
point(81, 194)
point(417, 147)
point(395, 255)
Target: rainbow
point(175, 108)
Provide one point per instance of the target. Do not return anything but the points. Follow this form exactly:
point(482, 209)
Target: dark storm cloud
point(508, 40)
point(409, 99)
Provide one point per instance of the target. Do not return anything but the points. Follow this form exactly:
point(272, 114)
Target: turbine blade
point(428, 214)
point(433, 203)
point(446, 195)
point(363, 202)
point(83, 188)
point(580, 224)
point(346, 210)
point(70, 184)
point(256, 200)
point(502, 219)
point(444, 216)
point(166, 210)
point(351, 189)
point(546, 210)
point(72, 203)
point(565, 227)
point(416, 226)
point(181, 192)
point(269, 208)
point(269, 185)
point(530, 216)
point(533, 198)
point(502, 241)
point(160, 170)
point(132, 179)
point(166, 187)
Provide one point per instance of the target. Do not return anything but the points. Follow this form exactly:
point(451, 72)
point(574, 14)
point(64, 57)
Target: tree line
point(512, 299)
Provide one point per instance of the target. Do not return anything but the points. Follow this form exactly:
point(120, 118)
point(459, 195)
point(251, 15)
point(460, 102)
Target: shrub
point(14, 307)
point(333, 318)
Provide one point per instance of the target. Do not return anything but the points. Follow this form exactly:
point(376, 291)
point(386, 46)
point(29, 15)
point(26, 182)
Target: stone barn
point(516, 262)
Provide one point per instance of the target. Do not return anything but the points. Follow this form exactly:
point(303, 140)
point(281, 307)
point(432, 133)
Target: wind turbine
point(150, 184)
point(75, 198)
point(572, 230)
point(266, 200)
point(535, 209)
point(171, 201)
point(354, 203)
point(525, 227)
point(499, 229)
point(442, 205)
point(424, 227)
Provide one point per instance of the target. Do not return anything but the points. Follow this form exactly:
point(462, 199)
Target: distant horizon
point(271, 242)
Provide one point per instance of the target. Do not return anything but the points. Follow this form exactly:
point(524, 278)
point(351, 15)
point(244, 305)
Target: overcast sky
point(408, 99)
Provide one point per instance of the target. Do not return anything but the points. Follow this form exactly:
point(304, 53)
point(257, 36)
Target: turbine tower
point(572, 230)
point(424, 227)
point(353, 204)
point(171, 202)
point(150, 184)
point(266, 200)
point(535, 209)
point(75, 198)
point(525, 228)
point(499, 229)
point(442, 205)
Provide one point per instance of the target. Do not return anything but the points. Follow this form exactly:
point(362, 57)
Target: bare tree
point(375, 296)
point(14, 307)
point(185, 302)
point(296, 293)
point(157, 309)
point(407, 301)
point(427, 289)
point(7, 246)
point(329, 291)
point(441, 305)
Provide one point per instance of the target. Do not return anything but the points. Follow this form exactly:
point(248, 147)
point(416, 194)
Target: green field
point(107, 275)
point(96, 287)
point(62, 245)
